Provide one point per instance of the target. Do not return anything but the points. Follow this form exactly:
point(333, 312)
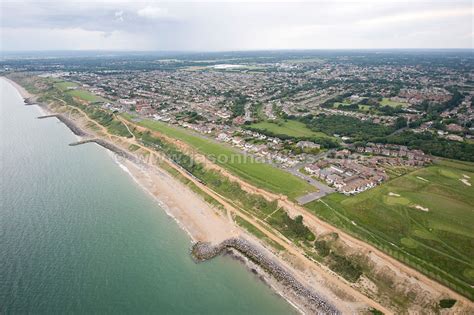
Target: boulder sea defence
point(202, 251)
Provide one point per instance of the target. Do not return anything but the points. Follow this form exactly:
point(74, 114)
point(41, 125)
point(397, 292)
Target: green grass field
point(386, 101)
point(424, 218)
point(291, 128)
point(63, 85)
point(259, 174)
point(85, 95)
point(339, 105)
point(82, 94)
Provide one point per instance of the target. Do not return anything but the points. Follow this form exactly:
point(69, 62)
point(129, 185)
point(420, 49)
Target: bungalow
point(307, 144)
point(312, 169)
point(223, 137)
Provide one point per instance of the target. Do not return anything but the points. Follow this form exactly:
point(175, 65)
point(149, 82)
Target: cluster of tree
point(322, 248)
point(256, 112)
point(363, 131)
point(389, 110)
point(238, 105)
point(433, 110)
point(345, 267)
point(400, 122)
point(293, 228)
point(191, 116)
point(431, 144)
point(455, 100)
point(447, 303)
point(293, 148)
point(322, 141)
point(337, 99)
point(346, 126)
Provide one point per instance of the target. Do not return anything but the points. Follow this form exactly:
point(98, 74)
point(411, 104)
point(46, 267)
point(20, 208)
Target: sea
point(78, 235)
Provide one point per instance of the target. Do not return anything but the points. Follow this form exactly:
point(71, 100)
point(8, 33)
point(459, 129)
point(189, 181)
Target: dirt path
point(281, 240)
point(314, 223)
point(330, 277)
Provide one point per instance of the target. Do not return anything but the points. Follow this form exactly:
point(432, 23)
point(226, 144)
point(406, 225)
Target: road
point(323, 189)
point(310, 219)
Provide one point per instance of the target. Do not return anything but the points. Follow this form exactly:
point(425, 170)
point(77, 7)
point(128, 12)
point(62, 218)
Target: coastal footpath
point(202, 251)
point(148, 179)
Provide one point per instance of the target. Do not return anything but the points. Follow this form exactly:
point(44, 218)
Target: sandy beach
point(203, 222)
point(21, 90)
point(194, 215)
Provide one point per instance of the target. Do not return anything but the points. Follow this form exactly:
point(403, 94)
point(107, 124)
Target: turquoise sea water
point(78, 235)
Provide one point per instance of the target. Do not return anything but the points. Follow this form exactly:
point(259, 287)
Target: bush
point(375, 311)
point(447, 303)
point(292, 228)
point(343, 266)
point(322, 248)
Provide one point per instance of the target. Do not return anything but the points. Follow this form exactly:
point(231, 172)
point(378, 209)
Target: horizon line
point(230, 50)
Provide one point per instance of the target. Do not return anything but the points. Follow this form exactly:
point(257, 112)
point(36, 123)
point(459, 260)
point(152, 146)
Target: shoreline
point(203, 251)
point(260, 274)
point(162, 205)
point(21, 90)
point(252, 267)
point(327, 284)
point(206, 223)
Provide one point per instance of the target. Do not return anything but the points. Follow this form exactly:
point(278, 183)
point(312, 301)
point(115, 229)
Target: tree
point(400, 123)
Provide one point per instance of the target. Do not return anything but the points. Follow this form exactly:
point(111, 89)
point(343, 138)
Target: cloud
point(154, 13)
point(119, 16)
point(419, 16)
point(71, 39)
point(234, 25)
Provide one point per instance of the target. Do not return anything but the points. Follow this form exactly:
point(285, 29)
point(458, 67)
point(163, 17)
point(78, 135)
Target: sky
point(234, 25)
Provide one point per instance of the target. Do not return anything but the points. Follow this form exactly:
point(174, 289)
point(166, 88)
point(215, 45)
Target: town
point(298, 149)
point(281, 111)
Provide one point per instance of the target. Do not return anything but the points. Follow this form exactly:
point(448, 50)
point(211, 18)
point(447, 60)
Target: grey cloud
point(241, 25)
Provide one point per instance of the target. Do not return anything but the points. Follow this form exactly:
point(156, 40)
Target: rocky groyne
point(202, 251)
point(29, 101)
point(69, 123)
point(79, 132)
point(109, 146)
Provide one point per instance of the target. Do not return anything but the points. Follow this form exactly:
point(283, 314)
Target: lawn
point(340, 105)
point(82, 94)
point(291, 128)
point(387, 101)
point(257, 173)
point(85, 95)
point(423, 218)
point(63, 85)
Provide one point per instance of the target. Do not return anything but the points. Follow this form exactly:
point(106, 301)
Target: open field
point(259, 174)
point(291, 128)
point(340, 105)
point(85, 95)
point(386, 101)
point(423, 218)
point(81, 94)
point(63, 85)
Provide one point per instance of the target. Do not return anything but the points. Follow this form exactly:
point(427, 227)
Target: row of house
point(347, 176)
point(395, 151)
